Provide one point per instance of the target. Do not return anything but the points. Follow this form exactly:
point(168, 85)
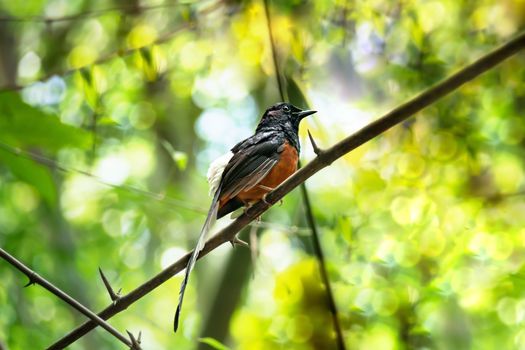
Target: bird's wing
point(249, 166)
point(246, 169)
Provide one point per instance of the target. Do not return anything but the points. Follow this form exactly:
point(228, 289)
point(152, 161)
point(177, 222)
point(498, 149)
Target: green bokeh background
point(422, 228)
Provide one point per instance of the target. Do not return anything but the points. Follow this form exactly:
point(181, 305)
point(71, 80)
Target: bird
point(251, 169)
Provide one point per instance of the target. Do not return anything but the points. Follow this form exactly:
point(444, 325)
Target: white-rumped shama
point(254, 167)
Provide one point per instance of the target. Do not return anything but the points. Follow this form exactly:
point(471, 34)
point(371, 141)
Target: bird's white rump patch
point(215, 171)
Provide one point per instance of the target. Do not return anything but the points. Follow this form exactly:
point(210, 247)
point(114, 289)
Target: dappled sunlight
point(111, 112)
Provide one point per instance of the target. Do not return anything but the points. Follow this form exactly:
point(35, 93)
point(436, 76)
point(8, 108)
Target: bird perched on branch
point(250, 170)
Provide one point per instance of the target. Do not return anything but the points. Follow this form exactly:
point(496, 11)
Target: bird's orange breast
point(286, 166)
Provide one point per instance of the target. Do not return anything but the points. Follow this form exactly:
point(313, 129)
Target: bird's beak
point(303, 114)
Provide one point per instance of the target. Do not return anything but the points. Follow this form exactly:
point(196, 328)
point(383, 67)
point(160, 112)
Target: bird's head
point(281, 114)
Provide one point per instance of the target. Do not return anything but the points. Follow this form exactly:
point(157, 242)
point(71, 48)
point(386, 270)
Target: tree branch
point(35, 278)
point(322, 268)
point(331, 154)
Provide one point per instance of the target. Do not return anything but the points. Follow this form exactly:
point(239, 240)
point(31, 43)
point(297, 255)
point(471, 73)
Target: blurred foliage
point(423, 228)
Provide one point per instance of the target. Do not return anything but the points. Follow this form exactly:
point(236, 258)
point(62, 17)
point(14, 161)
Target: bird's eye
point(286, 109)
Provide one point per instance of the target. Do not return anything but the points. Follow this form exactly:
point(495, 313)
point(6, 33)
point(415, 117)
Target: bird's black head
point(283, 116)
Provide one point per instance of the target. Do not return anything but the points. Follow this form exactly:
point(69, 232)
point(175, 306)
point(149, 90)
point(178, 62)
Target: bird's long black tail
point(210, 219)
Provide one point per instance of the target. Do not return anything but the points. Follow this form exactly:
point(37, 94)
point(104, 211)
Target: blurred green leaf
point(24, 125)
point(213, 343)
point(34, 174)
point(180, 158)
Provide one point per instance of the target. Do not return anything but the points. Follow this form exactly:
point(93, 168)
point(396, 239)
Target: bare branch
point(332, 306)
point(34, 278)
point(335, 152)
point(282, 91)
point(304, 192)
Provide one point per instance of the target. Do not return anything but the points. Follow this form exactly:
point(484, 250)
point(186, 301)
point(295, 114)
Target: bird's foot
point(265, 201)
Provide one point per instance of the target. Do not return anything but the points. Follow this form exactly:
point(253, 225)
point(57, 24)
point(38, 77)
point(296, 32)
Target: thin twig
point(35, 278)
point(322, 268)
point(52, 164)
point(167, 201)
point(394, 117)
point(282, 91)
point(306, 200)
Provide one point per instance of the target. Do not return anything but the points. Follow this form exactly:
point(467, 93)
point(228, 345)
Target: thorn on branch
point(316, 148)
point(135, 342)
point(239, 242)
point(32, 280)
point(114, 296)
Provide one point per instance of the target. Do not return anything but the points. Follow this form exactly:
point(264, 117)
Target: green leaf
point(32, 173)
point(213, 343)
point(180, 158)
point(22, 124)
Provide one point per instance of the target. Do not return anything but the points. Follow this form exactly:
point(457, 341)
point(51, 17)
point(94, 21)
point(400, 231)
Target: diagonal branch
point(35, 278)
point(331, 154)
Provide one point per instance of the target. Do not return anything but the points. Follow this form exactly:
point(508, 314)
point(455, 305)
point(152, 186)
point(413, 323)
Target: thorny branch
point(328, 156)
point(34, 278)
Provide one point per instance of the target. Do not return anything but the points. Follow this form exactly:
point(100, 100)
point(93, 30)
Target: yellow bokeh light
point(142, 35)
point(82, 56)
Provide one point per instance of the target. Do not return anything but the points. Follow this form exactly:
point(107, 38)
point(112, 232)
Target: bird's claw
point(263, 199)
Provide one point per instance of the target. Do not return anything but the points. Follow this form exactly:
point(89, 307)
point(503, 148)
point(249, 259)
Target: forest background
point(111, 111)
